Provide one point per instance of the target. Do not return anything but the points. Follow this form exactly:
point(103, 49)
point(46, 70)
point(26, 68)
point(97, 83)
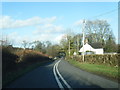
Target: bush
point(12, 60)
point(30, 56)
point(8, 59)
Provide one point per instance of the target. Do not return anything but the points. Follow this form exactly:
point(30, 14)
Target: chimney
point(86, 40)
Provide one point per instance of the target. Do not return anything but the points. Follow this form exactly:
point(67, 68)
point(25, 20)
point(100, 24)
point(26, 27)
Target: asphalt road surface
point(60, 74)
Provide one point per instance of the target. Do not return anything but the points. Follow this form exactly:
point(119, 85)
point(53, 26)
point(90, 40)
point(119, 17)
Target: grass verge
point(11, 76)
point(102, 70)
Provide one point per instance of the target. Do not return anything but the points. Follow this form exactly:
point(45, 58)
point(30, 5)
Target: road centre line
point(58, 81)
point(68, 86)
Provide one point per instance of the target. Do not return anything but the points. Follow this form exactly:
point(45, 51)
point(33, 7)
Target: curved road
point(50, 74)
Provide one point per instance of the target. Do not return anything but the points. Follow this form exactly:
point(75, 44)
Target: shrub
point(8, 59)
point(30, 56)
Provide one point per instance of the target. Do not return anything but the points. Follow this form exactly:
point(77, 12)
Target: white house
point(90, 49)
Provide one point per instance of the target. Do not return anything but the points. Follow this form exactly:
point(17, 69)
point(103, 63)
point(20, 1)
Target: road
point(60, 74)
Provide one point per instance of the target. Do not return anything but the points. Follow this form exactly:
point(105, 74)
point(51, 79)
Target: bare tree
point(6, 42)
point(77, 42)
point(98, 30)
point(25, 44)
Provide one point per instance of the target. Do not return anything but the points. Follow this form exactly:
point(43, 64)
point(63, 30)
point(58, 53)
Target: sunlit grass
point(107, 71)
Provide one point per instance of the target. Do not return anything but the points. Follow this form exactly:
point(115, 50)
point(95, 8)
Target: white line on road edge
point(58, 81)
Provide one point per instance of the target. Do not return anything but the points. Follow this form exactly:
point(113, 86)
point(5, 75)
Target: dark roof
point(96, 45)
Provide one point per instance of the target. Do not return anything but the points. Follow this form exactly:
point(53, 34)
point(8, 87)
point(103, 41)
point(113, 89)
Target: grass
point(102, 70)
point(11, 76)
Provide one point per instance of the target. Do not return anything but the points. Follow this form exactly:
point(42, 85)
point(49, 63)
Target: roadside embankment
point(17, 63)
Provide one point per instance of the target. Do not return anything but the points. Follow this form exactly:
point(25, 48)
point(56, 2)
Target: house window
point(89, 52)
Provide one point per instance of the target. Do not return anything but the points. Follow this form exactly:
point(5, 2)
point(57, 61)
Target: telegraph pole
point(69, 47)
point(83, 28)
point(77, 44)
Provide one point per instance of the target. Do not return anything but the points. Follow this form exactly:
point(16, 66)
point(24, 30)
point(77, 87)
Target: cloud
point(54, 38)
point(14, 36)
point(17, 39)
point(79, 22)
point(49, 32)
point(49, 28)
point(8, 22)
point(59, 37)
point(49, 20)
point(45, 29)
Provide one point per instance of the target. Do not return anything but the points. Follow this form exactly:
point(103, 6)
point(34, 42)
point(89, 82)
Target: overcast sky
point(44, 21)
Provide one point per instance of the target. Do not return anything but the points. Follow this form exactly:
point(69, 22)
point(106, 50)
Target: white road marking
point(68, 86)
point(58, 81)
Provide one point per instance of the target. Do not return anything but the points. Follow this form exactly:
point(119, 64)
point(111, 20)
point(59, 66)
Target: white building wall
point(98, 51)
point(87, 47)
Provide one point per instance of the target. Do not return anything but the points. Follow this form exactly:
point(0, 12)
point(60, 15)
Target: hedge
point(107, 59)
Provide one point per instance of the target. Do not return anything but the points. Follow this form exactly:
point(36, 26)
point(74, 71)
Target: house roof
point(90, 47)
point(96, 45)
